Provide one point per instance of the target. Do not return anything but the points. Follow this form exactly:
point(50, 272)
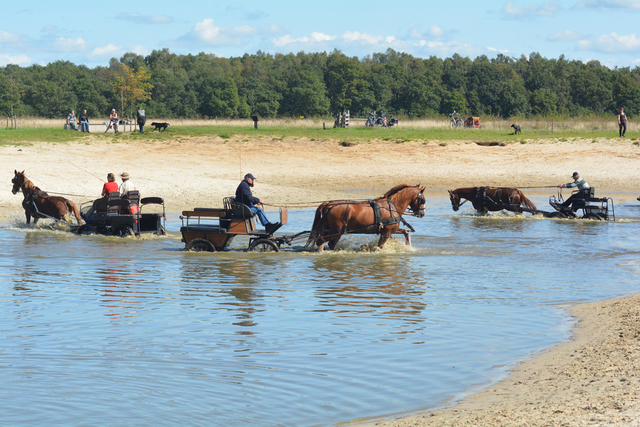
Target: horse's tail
point(73, 208)
point(526, 202)
point(316, 228)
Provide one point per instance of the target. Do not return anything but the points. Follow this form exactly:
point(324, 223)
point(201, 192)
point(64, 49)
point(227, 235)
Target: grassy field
point(425, 131)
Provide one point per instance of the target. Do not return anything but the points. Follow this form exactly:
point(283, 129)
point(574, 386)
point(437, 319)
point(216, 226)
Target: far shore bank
point(199, 172)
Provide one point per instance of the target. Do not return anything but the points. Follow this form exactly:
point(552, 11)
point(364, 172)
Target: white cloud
point(69, 44)
point(435, 31)
point(6, 37)
point(108, 51)
point(611, 43)
point(446, 49)
point(207, 32)
point(629, 5)
point(144, 19)
point(563, 36)
point(315, 38)
point(364, 38)
point(140, 50)
point(22, 60)
point(546, 9)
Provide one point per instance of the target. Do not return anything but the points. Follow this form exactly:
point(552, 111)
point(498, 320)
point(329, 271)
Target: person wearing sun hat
point(244, 195)
point(126, 185)
point(583, 188)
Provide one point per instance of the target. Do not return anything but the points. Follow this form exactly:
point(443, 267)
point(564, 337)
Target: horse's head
point(455, 200)
point(17, 181)
point(418, 202)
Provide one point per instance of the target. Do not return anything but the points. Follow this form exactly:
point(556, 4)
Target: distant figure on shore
point(84, 121)
point(622, 122)
point(113, 120)
point(142, 119)
point(71, 120)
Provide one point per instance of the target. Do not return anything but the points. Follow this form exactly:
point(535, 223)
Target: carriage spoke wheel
point(264, 245)
point(123, 231)
point(200, 245)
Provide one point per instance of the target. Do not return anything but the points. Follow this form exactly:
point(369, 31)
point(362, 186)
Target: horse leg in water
point(407, 236)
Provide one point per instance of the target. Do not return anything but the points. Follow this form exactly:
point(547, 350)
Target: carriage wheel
point(123, 231)
point(557, 215)
point(264, 245)
point(200, 245)
point(594, 216)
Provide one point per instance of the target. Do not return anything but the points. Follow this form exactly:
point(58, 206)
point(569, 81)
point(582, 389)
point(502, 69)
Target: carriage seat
point(238, 210)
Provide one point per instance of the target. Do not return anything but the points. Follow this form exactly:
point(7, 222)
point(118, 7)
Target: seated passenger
point(110, 186)
point(71, 120)
point(126, 185)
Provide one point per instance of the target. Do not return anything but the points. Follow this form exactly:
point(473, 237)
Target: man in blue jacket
point(244, 195)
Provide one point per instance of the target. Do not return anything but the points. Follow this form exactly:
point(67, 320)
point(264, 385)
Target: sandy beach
point(591, 380)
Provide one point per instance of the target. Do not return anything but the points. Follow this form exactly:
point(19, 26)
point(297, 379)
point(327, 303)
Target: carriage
point(586, 202)
point(213, 229)
point(123, 216)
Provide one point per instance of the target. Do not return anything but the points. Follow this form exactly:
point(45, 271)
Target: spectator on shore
point(622, 122)
point(142, 119)
point(84, 121)
point(113, 120)
point(71, 120)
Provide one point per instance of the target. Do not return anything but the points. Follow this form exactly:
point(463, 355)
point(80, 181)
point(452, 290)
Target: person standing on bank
point(84, 121)
point(113, 120)
point(622, 122)
point(142, 119)
point(244, 196)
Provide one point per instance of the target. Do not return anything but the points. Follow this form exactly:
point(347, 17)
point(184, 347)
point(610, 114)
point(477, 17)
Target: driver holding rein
point(244, 196)
point(583, 188)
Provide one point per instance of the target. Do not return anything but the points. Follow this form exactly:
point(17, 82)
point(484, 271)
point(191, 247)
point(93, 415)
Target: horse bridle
point(455, 200)
point(421, 202)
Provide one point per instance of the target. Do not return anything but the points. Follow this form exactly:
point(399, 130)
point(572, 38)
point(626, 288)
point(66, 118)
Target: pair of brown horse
point(38, 204)
point(336, 218)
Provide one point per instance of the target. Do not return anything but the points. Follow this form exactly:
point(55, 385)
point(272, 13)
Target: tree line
point(321, 84)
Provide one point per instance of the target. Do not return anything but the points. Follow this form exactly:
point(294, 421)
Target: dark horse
point(37, 203)
point(379, 216)
point(485, 199)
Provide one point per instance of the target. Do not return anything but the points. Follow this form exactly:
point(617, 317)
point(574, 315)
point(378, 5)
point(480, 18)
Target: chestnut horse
point(379, 216)
point(37, 202)
point(485, 199)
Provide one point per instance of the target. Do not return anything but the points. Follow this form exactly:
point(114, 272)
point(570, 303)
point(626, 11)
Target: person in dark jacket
point(244, 195)
point(142, 119)
point(84, 121)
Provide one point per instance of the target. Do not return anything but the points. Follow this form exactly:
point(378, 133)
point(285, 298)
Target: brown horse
point(380, 216)
point(485, 199)
point(38, 204)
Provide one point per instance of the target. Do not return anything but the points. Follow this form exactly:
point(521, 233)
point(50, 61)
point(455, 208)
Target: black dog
point(159, 126)
point(516, 129)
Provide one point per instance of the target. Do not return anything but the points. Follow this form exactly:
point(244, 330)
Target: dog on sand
point(159, 126)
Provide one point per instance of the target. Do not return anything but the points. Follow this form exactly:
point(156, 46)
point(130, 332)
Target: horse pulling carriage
point(110, 215)
point(122, 216)
point(486, 199)
point(211, 230)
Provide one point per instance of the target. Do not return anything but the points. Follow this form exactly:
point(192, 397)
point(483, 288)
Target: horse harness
point(378, 222)
point(482, 198)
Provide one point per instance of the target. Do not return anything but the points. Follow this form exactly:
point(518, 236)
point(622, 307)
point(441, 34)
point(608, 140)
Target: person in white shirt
point(126, 185)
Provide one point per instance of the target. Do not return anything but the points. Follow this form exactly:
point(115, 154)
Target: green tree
point(627, 95)
point(132, 86)
point(453, 101)
point(543, 102)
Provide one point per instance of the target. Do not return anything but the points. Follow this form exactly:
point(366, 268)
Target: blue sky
point(91, 33)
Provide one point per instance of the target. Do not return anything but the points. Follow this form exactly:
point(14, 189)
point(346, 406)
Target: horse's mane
point(396, 189)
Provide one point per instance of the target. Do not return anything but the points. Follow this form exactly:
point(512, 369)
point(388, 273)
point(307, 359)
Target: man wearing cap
point(126, 185)
point(583, 188)
point(244, 195)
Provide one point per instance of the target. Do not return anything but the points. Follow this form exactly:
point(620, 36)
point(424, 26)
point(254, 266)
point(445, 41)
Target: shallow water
point(100, 330)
